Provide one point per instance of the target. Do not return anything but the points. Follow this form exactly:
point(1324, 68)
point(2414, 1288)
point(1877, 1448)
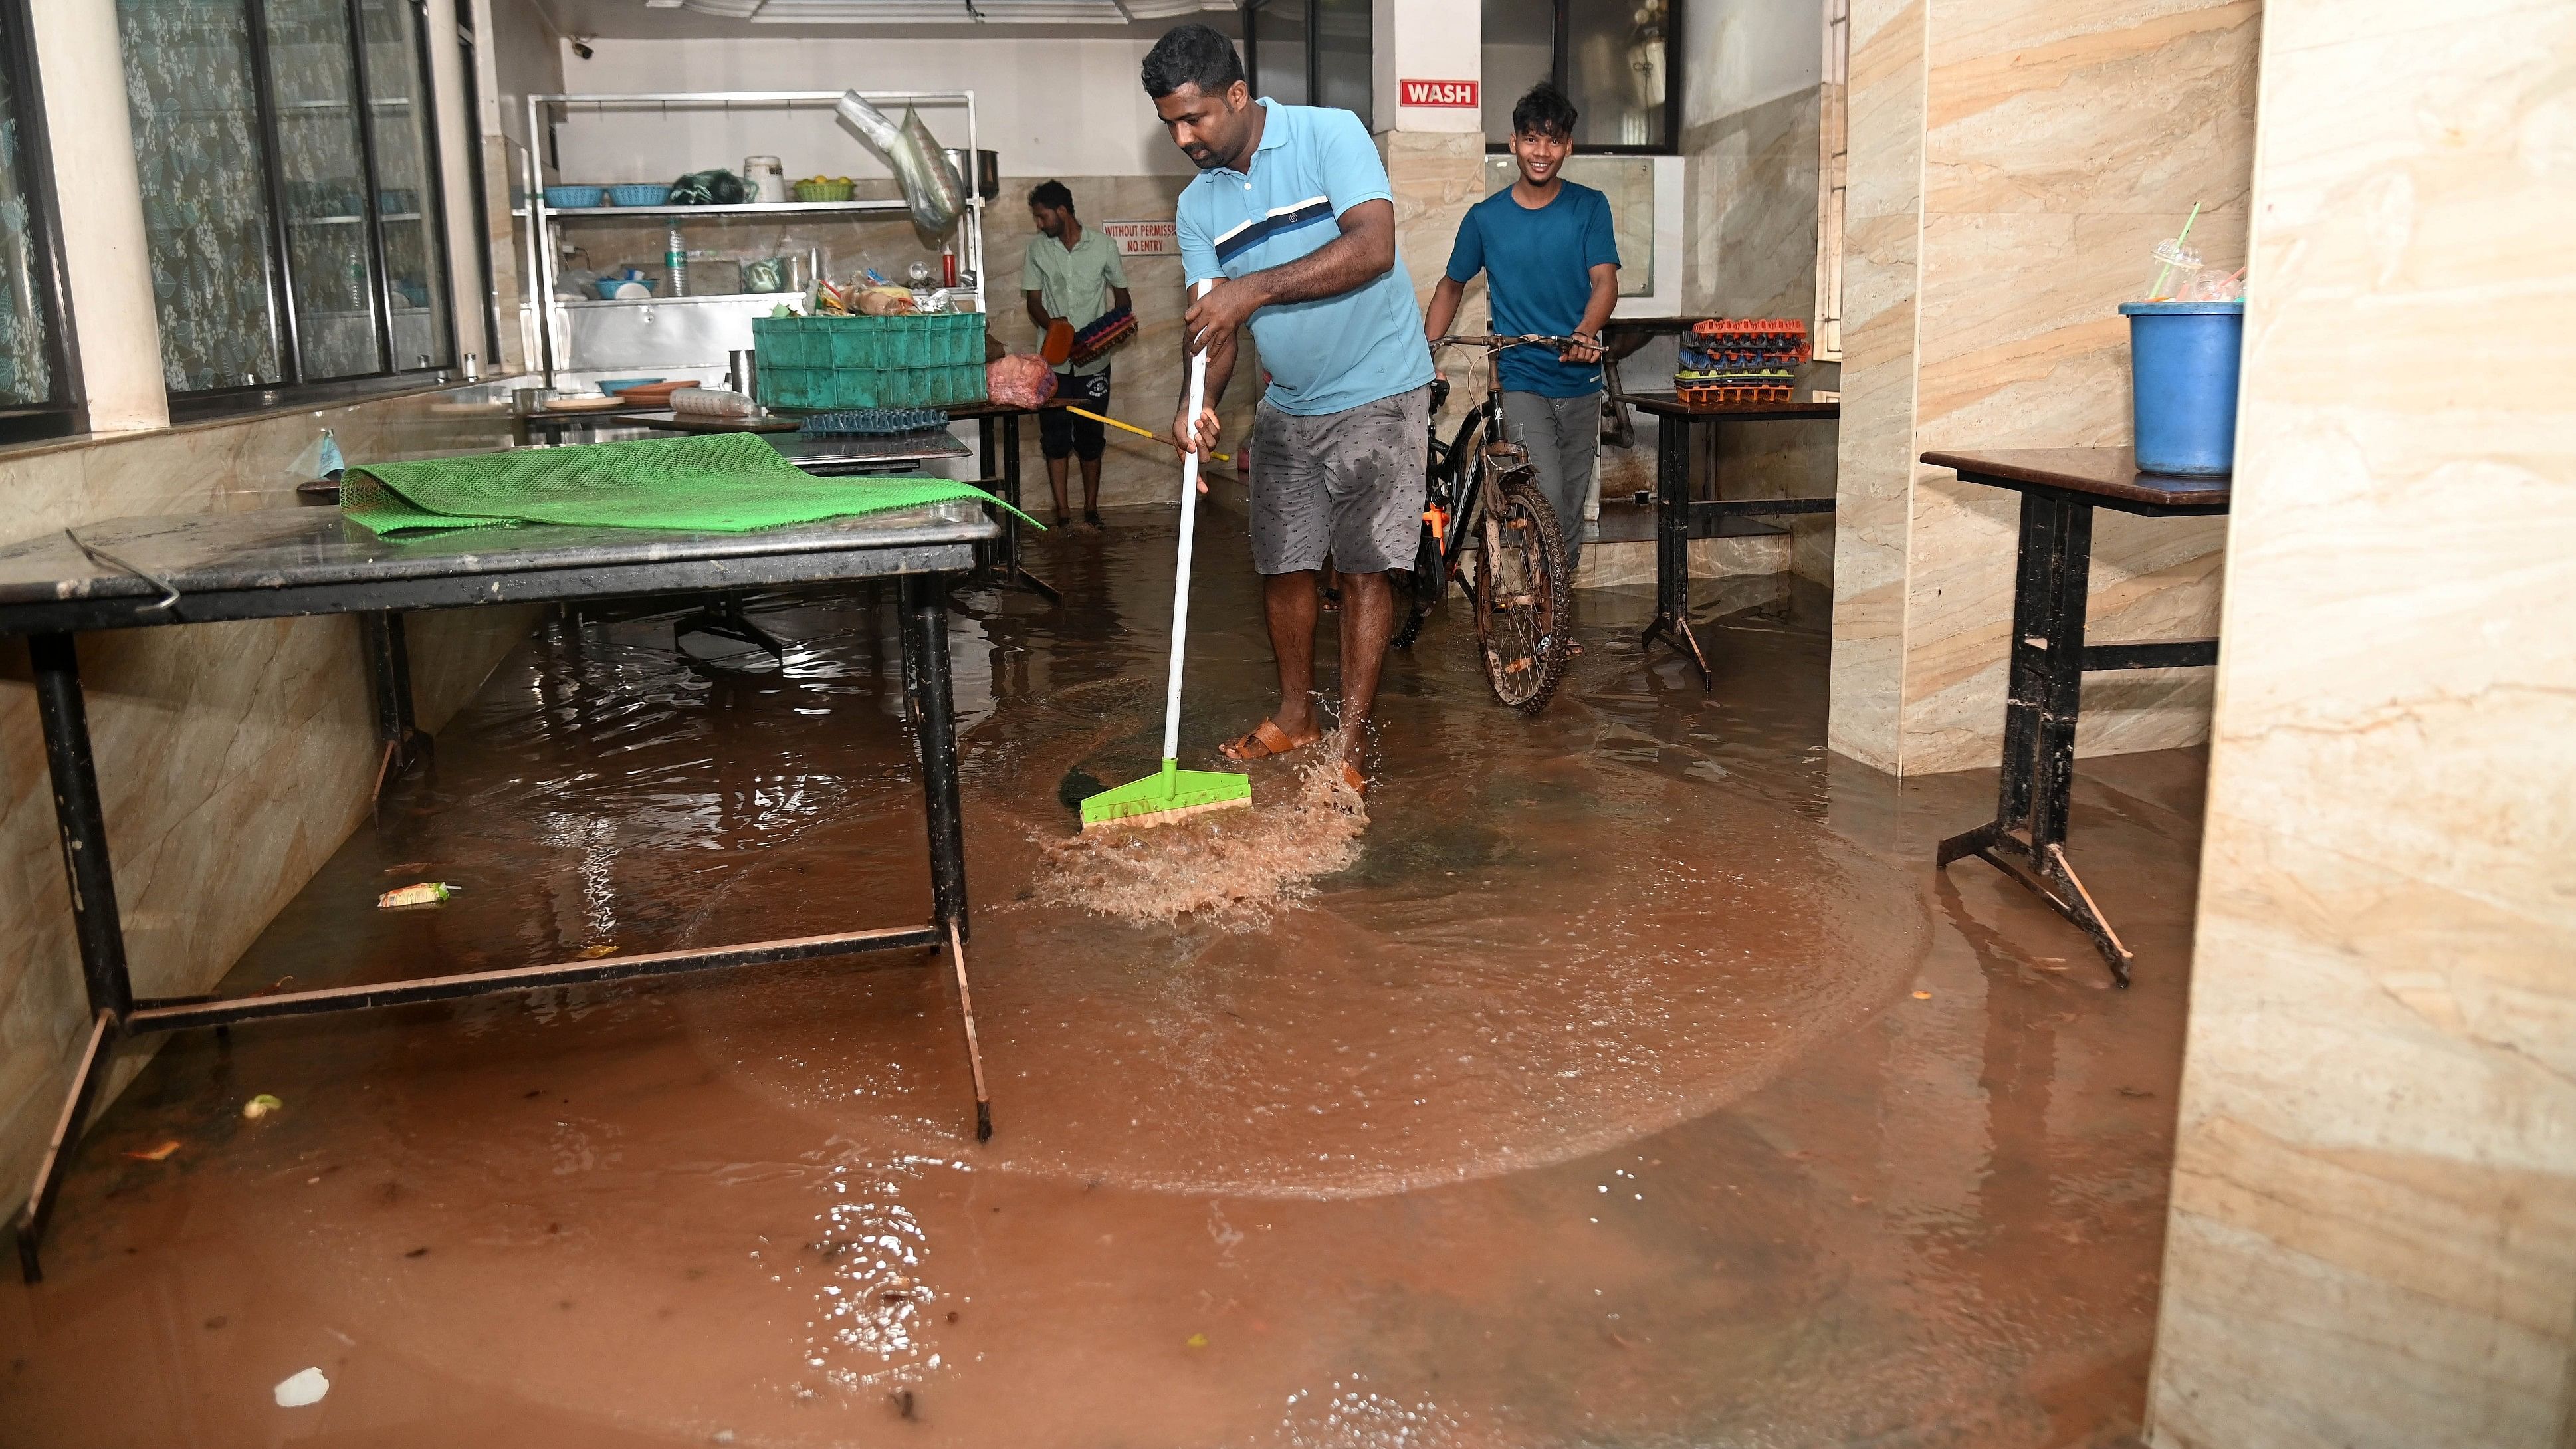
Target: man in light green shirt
point(1072, 276)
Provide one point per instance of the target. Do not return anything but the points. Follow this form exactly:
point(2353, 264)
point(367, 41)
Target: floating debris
point(300, 1390)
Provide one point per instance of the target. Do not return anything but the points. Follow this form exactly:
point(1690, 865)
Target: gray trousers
point(1563, 435)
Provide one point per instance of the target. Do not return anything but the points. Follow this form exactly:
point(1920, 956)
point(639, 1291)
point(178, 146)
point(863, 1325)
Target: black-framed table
point(2060, 488)
point(1679, 519)
point(291, 562)
point(997, 428)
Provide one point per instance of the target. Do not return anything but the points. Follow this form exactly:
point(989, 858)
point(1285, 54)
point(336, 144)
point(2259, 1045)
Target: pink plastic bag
point(1021, 380)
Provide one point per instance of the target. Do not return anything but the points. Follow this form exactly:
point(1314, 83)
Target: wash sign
point(1461, 94)
point(1144, 238)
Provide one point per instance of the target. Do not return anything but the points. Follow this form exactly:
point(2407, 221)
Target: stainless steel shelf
point(543, 240)
point(749, 208)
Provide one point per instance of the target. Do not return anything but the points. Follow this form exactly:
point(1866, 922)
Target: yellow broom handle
point(1139, 432)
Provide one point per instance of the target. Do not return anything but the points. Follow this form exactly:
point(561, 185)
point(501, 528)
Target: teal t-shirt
point(1334, 353)
point(1538, 268)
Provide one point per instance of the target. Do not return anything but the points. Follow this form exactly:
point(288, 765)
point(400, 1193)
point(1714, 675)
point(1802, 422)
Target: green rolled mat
point(723, 483)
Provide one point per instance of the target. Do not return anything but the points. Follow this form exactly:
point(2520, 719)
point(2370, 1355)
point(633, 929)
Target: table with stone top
point(1679, 519)
point(997, 429)
point(2060, 488)
point(282, 563)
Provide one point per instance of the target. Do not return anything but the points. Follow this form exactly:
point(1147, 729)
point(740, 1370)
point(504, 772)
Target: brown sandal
point(1266, 740)
point(1352, 777)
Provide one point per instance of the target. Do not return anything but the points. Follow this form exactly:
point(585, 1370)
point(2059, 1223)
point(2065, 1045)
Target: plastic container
point(570, 198)
point(821, 364)
point(639, 193)
point(2183, 359)
point(819, 189)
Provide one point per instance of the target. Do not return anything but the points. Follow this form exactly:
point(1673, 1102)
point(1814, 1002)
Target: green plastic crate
point(826, 363)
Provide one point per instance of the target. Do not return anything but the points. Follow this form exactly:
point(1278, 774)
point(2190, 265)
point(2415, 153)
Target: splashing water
point(1354, 1416)
point(1232, 869)
point(871, 1303)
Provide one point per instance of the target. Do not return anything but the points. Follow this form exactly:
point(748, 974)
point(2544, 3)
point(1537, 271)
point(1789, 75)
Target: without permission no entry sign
point(1144, 238)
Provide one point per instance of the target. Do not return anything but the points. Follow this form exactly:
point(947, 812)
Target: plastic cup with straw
point(1174, 793)
point(2172, 254)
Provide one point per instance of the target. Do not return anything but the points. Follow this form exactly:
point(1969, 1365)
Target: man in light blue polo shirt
point(1291, 217)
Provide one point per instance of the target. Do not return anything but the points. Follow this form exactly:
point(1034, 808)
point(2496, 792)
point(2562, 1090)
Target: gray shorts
point(1347, 485)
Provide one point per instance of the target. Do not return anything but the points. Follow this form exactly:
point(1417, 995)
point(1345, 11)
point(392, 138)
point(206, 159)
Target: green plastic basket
point(824, 363)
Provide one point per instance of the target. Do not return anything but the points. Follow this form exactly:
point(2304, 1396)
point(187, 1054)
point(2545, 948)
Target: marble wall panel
point(1750, 195)
point(2060, 139)
point(1874, 466)
point(1436, 176)
point(233, 758)
point(2061, 142)
point(2373, 1230)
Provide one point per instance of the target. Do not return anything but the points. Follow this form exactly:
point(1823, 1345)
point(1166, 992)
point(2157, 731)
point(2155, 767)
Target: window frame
point(67, 413)
point(468, 45)
point(292, 387)
point(1314, 57)
point(1833, 178)
point(1676, 82)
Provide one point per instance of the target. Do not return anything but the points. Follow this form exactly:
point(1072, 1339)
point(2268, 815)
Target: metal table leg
point(77, 810)
point(2027, 838)
point(1672, 544)
point(928, 700)
point(389, 671)
point(1007, 552)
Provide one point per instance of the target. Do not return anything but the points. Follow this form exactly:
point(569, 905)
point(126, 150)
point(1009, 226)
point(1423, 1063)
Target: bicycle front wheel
point(1523, 600)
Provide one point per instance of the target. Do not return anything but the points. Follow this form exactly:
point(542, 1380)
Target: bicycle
point(1485, 494)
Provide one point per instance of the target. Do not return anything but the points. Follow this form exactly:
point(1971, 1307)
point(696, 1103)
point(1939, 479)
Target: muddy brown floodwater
point(1639, 1083)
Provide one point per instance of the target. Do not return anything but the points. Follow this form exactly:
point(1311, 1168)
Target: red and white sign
point(1144, 238)
point(1461, 94)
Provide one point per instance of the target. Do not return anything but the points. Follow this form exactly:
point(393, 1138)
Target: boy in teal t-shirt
point(1552, 268)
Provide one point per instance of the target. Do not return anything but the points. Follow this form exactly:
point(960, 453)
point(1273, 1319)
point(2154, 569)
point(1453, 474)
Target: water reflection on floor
point(1640, 1085)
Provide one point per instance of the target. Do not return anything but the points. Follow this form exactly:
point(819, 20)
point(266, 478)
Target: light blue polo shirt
point(1335, 353)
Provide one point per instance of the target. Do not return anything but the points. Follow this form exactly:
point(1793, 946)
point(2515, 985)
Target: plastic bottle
point(675, 261)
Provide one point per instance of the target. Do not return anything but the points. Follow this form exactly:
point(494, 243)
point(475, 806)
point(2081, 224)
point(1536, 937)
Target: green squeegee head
point(1172, 794)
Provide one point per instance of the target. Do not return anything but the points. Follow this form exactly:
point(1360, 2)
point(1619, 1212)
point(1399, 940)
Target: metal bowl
point(987, 175)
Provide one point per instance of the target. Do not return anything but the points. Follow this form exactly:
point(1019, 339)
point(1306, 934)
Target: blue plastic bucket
point(2183, 359)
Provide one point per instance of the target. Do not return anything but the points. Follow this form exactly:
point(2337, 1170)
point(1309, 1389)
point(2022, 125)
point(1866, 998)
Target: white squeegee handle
point(1181, 576)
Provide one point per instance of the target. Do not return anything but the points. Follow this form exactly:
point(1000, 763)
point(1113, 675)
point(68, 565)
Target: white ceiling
point(681, 19)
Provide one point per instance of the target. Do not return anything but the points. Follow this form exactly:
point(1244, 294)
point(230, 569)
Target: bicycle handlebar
point(1492, 342)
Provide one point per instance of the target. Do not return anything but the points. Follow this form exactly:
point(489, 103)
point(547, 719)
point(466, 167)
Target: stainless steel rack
point(543, 219)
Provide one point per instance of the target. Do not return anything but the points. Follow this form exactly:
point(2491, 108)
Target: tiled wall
point(2373, 1231)
point(1750, 194)
point(233, 758)
point(2058, 140)
point(1146, 374)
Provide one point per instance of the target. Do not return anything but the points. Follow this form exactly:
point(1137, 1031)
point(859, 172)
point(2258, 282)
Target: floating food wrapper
point(300, 1390)
point(427, 893)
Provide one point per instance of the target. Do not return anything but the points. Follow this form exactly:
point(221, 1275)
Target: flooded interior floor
point(1640, 1084)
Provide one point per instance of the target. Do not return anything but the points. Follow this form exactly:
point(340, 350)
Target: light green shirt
point(1074, 283)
